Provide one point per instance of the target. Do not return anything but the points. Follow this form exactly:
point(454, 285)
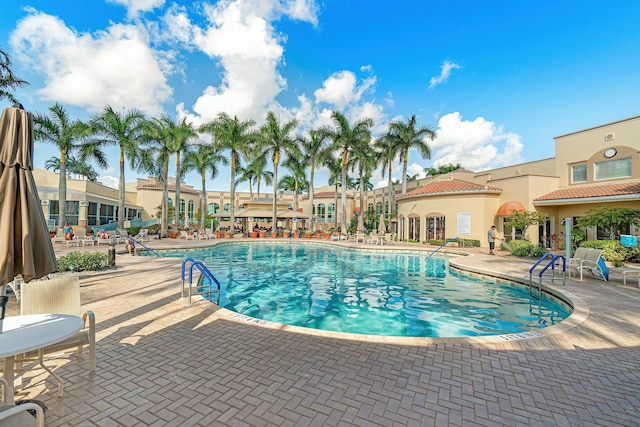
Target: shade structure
point(25, 245)
point(381, 227)
point(510, 207)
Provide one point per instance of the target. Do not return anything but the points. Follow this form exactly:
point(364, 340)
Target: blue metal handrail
point(204, 271)
point(452, 239)
point(145, 246)
point(552, 264)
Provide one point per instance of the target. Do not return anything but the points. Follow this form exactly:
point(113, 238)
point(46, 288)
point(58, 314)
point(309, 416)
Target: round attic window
point(610, 153)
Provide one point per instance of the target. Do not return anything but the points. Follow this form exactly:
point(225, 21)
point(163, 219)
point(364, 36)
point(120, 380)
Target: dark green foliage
point(614, 252)
point(82, 261)
point(520, 247)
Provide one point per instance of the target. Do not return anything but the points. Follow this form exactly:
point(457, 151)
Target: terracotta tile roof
point(449, 186)
point(609, 190)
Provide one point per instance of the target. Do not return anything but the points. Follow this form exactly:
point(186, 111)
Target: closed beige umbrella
point(381, 227)
point(25, 245)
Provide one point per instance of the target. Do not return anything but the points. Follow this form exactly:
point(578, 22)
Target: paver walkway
point(162, 363)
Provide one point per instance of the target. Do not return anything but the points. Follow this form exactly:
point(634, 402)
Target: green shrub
point(133, 230)
point(519, 247)
point(82, 261)
point(154, 229)
point(538, 250)
point(613, 251)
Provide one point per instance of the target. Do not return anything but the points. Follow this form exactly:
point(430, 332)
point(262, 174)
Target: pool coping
point(580, 311)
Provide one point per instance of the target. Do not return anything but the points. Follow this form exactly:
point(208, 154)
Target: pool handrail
point(204, 273)
point(552, 264)
point(449, 240)
point(146, 247)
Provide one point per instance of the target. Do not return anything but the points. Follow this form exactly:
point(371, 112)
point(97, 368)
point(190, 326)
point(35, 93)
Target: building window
point(213, 208)
point(378, 208)
point(227, 207)
point(92, 213)
point(321, 210)
point(191, 208)
point(613, 169)
point(331, 210)
point(414, 228)
point(370, 207)
point(435, 227)
point(579, 173)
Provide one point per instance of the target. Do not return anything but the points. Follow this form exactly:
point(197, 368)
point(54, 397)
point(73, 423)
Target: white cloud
point(477, 145)
point(115, 66)
point(109, 181)
point(445, 72)
point(415, 168)
point(240, 35)
point(134, 7)
point(342, 89)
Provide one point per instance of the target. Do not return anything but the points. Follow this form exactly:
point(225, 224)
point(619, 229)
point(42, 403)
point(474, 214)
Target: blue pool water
point(368, 292)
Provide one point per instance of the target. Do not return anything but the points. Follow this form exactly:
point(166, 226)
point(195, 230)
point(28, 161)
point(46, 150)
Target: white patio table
point(20, 334)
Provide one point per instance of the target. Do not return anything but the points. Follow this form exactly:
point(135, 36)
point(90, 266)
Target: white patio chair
point(590, 261)
point(18, 415)
point(59, 238)
point(60, 296)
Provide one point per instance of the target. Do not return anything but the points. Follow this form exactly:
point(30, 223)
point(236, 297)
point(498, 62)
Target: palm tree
point(204, 158)
point(180, 134)
point(441, 170)
point(255, 172)
point(364, 162)
point(125, 130)
point(154, 159)
point(297, 181)
point(407, 136)
point(74, 166)
point(335, 178)
point(276, 141)
point(413, 177)
point(387, 151)
point(345, 137)
point(315, 152)
point(8, 80)
point(237, 137)
point(59, 129)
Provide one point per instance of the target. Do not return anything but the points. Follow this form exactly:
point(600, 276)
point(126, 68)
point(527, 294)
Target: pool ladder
point(552, 263)
point(200, 288)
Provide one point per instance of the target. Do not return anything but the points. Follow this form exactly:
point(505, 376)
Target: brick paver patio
point(163, 363)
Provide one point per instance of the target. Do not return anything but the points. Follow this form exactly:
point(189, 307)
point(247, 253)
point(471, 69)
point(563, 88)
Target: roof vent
point(610, 136)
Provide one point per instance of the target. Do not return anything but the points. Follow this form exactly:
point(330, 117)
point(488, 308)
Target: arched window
point(378, 208)
point(227, 207)
point(370, 207)
point(435, 227)
point(321, 210)
point(170, 201)
point(182, 208)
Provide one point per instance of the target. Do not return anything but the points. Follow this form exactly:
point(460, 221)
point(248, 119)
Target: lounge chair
point(59, 236)
point(590, 260)
point(185, 235)
point(60, 295)
point(18, 415)
point(143, 235)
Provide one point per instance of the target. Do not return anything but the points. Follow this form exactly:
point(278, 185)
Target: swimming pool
point(339, 289)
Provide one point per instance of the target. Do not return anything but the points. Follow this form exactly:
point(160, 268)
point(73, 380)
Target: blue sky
point(496, 80)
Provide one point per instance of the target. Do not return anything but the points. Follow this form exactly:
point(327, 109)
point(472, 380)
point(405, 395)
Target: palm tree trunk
point(345, 158)
point(390, 189)
point(62, 190)
point(121, 185)
point(164, 221)
point(233, 192)
point(313, 170)
point(176, 213)
point(335, 205)
point(361, 194)
point(275, 192)
point(404, 173)
point(203, 213)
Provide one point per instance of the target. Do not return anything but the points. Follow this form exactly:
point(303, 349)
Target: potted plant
point(286, 234)
point(217, 233)
point(262, 234)
point(328, 234)
point(296, 234)
point(308, 234)
point(274, 234)
point(254, 234)
point(319, 234)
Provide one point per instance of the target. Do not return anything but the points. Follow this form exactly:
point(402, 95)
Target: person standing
point(492, 236)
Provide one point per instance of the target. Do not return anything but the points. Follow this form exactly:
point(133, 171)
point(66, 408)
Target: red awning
point(508, 208)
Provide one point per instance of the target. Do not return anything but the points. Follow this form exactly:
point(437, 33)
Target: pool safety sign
point(463, 224)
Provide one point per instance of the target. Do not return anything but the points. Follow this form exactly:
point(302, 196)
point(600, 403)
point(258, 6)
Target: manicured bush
point(519, 247)
point(133, 230)
point(614, 252)
point(82, 261)
point(538, 251)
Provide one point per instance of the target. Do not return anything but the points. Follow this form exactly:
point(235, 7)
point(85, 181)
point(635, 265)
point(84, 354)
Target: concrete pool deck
point(160, 362)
